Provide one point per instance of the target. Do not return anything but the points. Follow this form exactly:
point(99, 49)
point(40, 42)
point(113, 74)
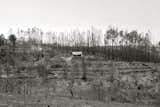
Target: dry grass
point(67, 102)
point(99, 90)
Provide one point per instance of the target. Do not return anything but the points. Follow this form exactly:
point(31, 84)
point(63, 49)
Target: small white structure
point(78, 53)
point(69, 59)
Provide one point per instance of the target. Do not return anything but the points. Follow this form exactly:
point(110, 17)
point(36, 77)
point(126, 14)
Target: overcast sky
point(142, 15)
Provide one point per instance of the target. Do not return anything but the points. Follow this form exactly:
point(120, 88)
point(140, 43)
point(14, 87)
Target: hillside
point(86, 79)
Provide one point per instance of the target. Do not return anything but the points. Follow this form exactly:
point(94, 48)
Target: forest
point(113, 44)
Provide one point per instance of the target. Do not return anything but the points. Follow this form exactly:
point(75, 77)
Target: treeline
point(113, 44)
point(117, 53)
point(118, 45)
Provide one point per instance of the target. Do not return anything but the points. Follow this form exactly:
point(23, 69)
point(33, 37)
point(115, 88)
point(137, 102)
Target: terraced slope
point(47, 80)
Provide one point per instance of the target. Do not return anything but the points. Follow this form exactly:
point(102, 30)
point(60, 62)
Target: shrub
point(99, 91)
point(42, 72)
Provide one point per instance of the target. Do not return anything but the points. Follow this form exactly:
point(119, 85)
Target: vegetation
point(34, 69)
point(114, 44)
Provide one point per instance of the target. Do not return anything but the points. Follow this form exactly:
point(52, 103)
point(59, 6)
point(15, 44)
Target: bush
point(99, 91)
point(42, 72)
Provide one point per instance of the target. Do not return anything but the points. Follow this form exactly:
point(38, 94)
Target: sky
point(141, 15)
